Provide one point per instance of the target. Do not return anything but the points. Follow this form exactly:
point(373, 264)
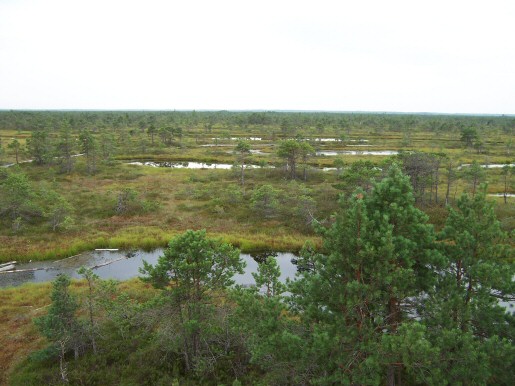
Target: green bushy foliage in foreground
point(385, 301)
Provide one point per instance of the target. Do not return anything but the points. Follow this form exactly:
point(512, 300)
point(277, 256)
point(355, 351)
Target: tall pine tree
point(378, 257)
point(465, 313)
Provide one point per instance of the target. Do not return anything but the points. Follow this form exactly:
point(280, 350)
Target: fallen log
point(108, 262)
point(7, 268)
point(8, 263)
point(66, 258)
point(27, 270)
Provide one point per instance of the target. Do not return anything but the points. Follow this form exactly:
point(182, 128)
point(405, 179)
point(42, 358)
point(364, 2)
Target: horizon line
point(261, 110)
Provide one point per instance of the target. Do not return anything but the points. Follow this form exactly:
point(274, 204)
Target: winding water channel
point(115, 265)
point(121, 268)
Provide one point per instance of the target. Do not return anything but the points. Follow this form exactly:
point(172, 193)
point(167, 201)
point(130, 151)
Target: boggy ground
point(169, 201)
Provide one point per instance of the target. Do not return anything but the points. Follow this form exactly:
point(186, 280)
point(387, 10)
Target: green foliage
point(292, 150)
point(378, 303)
point(168, 134)
point(60, 326)
point(360, 174)
point(64, 150)
point(475, 175)
point(297, 203)
point(107, 145)
point(129, 202)
point(91, 304)
point(58, 210)
point(423, 169)
point(18, 198)
point(273, 339)
point(242, 148)
point(267, 277)
point(192, 268)
point(232, 195)
point(243, 151)
point(39, 147)
point(477, 274)
point(265, 201)
point(89, 147)
point(376, 257)
point(196, 263)
point(60, 322)
point(15, 146)
point(339, 164)
point(469, 135)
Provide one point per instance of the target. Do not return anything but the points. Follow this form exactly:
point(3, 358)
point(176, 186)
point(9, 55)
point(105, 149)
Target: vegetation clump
point(386, 300)
point(404, 276)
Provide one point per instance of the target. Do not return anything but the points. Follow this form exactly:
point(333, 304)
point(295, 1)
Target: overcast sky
point(447, 56)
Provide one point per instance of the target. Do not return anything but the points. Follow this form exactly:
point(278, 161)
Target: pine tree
point(267, 277)
point(39, 147)
point(15, 146)
point(378, 257)
point(191, 270)
point(64, 150)
point(243, 151)
point(60, 325)
point(465, 312)
point(89, 147)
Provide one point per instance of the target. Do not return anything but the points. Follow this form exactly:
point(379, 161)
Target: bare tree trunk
point(449, 180)
point(437, 177)
point(390, 378)
point(394, 320)
point(91, 319)
point(63, 368)
point(185, 342)
point(243, 176)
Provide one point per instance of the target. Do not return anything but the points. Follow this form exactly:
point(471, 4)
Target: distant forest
point(289, 122)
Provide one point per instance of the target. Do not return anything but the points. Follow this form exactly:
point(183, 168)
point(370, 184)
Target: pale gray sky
point(385, 55)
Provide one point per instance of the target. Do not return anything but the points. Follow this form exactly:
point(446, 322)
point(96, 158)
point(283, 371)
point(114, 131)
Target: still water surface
point(122, 269)
point(356, 152)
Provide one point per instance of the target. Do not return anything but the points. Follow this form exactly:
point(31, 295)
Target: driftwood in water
point(66, 258)
point(7, 268)
point(27, 270)
point(8, 263)
point(107, 263)
point(107, 249)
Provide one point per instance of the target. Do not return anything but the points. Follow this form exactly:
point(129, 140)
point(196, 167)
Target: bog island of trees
point(402, 225)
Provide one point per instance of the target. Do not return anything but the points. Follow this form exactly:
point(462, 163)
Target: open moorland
point(73, 187)
point(341, 190)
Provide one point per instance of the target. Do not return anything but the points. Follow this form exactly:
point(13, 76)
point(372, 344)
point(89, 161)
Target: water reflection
point(487, 166)
point(122, 268)
point(188, 165)
point(356, 152)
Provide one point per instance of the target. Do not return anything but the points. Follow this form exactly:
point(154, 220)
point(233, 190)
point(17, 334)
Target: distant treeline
point(77, 120)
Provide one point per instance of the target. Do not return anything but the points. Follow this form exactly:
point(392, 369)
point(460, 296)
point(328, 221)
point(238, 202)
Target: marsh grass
point(180, 199)
point(148, 239)
point(20, 305)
